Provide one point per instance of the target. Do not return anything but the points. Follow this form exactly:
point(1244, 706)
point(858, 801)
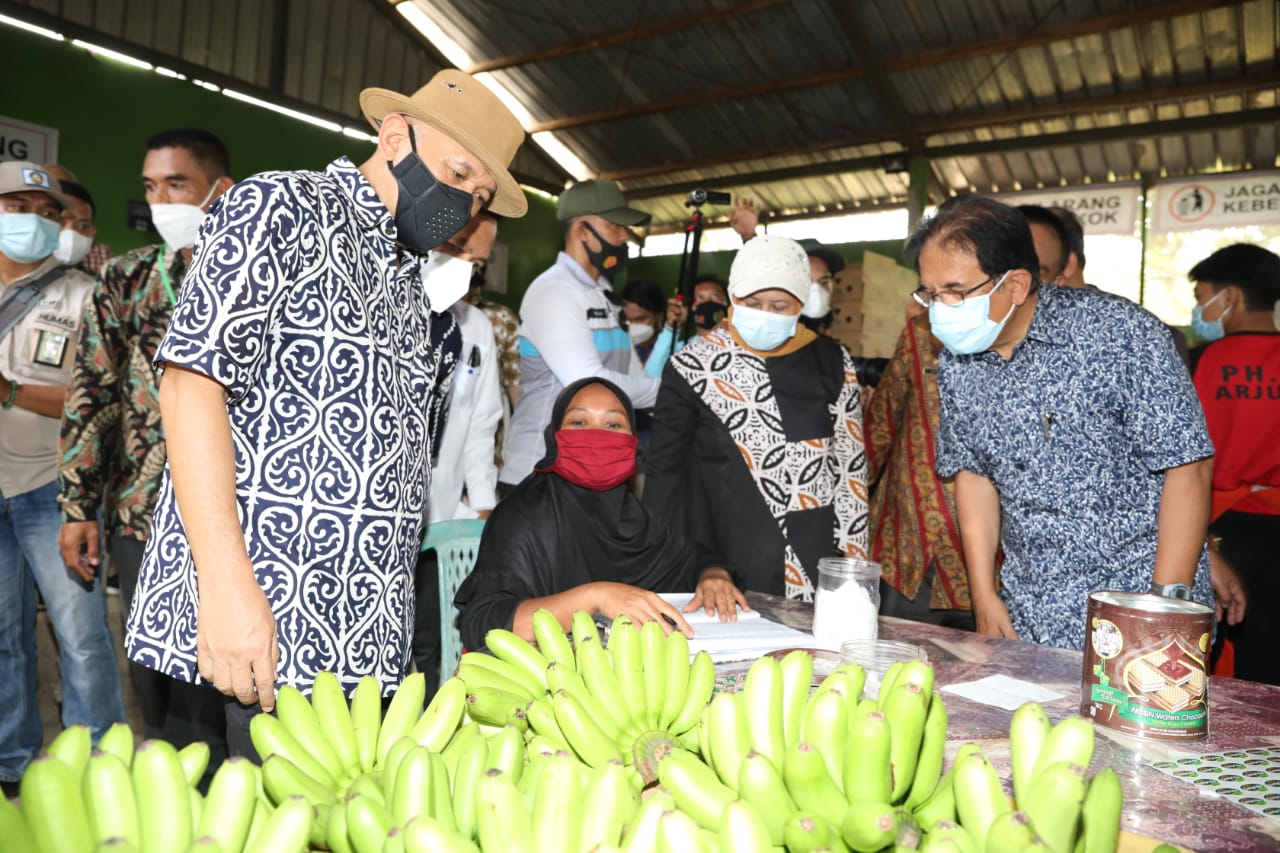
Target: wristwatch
point(1172, 590)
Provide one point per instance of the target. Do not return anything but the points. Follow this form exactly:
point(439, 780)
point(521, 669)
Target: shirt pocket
point(48, 347)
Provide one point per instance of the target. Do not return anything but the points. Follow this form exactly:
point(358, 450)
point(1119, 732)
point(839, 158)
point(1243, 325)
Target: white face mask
point(179, 224)
point(446, 279)
point(818, 304)
point(641, 333)
point(72, 247)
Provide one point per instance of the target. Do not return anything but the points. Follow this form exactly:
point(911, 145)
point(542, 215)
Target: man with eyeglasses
point(41, 304)
point(1075, 437)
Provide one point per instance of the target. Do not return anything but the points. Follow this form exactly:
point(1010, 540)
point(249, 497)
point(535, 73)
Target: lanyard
point(165, 278)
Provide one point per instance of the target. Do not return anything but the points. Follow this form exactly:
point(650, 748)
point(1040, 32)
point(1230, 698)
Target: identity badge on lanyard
point(165, 278)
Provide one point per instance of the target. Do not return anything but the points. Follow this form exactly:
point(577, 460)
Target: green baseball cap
point(598, 198)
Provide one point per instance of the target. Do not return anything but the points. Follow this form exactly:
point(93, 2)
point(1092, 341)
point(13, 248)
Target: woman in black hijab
point(572, 537)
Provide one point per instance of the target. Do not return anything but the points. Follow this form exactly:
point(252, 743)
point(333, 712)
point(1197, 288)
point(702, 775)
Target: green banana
point(867, 773)
point(228, 809)
point(517, 651)
point(678, 833)
point(335, 829)
point(402, 713)
point(677, 672)
point(855, 680)
point(283, 779)
point(641, 835)
point(694, 786)
point(557, 805)
point(919, 673)
point(826, 729)
point(584, 734)
point(1054, 804)
point(270, 737)
point(1010, 832)
point(542, 720)
point(811, 784)
point(743, 829)
point(1100, 814)
point(478, 669)
point(563, 678)
point(15, 831)
point(470, 765)
point(507, 752)
point(1028, 729)
point(442, 716)
point(493, 707)
point(504, 823)
point(394, 842)
point(197, 807)
point(949, 837)
point(979, 795)
point(302, 721)
point(368, 823)
point(369, 785)
point(609, 805)
point(728, 738)
point(1071, 741)
point(72, 747)
point(164, 807)
point(286, 831)
point(366, 720)
point(261, 812)
point(702, 683)
point(411, 793)
point(427, 835)
point(583, 628)
point(766, 725)
point(867, 826)
point(194, 758)
point(391, 767)
point(118, 740)
point(109, 800)
point(551, 638)
point(467, 732)
point(329, 706)
point(628, 666)
point(887, 681)
point(597, 674)
point(49, 792)
point(760, 783)
point(441, 793)
point(806, 832)
point(933, 747)
point(653, 647)
point(797, 677)
point(906, 708)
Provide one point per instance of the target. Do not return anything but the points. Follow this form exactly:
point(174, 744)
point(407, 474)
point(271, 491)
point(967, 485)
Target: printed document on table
point(1001, 691)
point(749, 637)
point(679, 599)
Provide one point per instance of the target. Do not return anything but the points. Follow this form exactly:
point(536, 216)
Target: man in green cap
point(569, 327)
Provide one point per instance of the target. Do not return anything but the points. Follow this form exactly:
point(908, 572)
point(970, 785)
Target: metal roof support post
point(917, 190)
point(1143, 222)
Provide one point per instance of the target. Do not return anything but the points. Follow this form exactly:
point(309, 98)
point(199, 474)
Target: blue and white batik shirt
point(299, 303)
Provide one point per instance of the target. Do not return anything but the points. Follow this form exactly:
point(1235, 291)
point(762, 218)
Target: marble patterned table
point(1242, 714)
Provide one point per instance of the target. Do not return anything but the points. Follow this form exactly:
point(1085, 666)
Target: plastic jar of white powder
point(847, 601)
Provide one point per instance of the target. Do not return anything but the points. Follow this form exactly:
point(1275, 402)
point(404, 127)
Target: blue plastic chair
point(456, 543)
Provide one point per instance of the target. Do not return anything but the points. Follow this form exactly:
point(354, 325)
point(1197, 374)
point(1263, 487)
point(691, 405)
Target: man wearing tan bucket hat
point(297, 369)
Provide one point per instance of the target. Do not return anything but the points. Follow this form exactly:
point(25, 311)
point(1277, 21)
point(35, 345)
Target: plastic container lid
point(879, 655)
point(849, 567)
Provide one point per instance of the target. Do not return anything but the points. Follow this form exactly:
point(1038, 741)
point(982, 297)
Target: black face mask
point(709, 314)
point(427, 212)
point(609, 258)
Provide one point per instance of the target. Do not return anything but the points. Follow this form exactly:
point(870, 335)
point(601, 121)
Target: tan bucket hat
point(19, 176)
point(456, 104)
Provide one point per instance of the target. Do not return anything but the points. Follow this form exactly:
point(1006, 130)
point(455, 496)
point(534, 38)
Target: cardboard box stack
point(870, 302)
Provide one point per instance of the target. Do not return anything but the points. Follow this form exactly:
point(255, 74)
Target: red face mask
point(596, 459)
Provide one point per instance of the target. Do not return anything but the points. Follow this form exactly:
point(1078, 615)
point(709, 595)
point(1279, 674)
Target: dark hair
point(712, 278)
point(1253, 269)
point(78, 191)
point(997, 235)
point(647, 294)
point(1075, 231)
point(206, 149)
point(1037, 215)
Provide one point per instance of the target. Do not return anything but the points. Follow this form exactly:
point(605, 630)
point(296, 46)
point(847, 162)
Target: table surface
point(1242, 714)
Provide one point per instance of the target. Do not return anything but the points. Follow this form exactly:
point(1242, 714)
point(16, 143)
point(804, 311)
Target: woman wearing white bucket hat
point(757, 448)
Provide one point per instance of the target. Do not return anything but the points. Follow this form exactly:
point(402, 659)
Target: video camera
point(699, 197)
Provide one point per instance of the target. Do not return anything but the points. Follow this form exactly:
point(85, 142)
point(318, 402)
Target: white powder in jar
point(844, 613)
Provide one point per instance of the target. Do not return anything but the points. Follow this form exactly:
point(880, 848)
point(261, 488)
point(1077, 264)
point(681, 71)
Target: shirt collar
point(45, 265)
point(566, 262)
point(370, 211)
point(1053, 318)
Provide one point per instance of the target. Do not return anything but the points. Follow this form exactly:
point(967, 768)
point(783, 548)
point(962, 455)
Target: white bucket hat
point(767, 262)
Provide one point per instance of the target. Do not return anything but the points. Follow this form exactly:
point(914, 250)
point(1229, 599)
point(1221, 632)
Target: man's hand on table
point(718, 595)
point(992, 618)
point(236, 644)
point(640, 605)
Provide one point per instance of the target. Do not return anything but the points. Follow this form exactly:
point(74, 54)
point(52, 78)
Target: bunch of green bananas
point(76, 799)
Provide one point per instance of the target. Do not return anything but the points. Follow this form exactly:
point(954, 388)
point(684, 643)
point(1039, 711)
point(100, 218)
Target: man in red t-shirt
point(1237, 375)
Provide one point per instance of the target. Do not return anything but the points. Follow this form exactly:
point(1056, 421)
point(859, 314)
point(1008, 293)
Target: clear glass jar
point(876, 656)
point(847, 602)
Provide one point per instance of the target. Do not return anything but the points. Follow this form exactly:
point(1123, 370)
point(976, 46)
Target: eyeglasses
point(926, 297)
point(46, 211)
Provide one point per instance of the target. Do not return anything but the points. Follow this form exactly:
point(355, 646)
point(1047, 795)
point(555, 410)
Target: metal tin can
point(1146, 665)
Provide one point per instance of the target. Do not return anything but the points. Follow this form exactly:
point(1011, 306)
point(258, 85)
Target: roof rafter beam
point(1095, 136)
point(877, 76)
point(617, 37)
point(1091, 26)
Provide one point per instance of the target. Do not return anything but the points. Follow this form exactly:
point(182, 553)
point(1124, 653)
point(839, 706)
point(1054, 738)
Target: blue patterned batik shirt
point(1075, 432)
point(299, 303)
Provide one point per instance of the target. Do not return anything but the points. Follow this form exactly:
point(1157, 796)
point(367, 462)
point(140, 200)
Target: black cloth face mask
point(427, 212)
point(608, 259)
point(709, 314)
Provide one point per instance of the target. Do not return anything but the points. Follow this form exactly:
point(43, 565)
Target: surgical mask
point(967, 328)
point(446, 279)
point(819, 302)
point(641, 333)
point(1208, 330)
point(763, 330)
point(72, 247)
point(179, 224)
point(709, 314)
point(608, 258)
point(26, 237)
point(428, 212)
